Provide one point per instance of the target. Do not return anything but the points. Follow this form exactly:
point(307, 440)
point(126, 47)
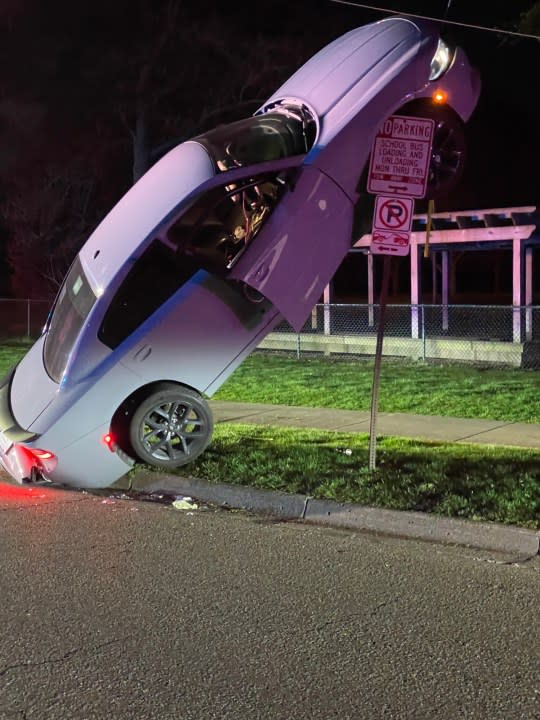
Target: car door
point(300, 247)
point(295, 249)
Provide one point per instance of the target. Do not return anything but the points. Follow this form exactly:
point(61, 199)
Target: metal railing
point(480, 334)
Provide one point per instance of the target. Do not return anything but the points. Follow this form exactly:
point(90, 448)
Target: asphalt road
point(114, 609)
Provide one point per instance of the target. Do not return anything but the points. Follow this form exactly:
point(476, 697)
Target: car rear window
point(74, 302)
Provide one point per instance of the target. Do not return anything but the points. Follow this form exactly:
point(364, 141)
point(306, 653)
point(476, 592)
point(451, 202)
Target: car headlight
point(440, 61)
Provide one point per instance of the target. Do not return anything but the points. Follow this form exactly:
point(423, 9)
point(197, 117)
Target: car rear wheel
point(171, 427)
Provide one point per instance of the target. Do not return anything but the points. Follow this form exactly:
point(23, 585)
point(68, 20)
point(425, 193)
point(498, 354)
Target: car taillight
point(41, 454)
point(44, 459)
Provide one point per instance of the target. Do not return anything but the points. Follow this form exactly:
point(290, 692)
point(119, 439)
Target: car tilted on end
point(226, 236)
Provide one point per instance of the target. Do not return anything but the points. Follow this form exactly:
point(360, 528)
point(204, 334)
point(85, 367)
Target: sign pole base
point(377, 366)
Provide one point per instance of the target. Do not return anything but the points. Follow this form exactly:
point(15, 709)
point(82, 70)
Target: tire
point(171, 427)
point(449, 148)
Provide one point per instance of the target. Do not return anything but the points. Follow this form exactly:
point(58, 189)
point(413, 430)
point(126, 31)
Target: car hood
point(359, 62)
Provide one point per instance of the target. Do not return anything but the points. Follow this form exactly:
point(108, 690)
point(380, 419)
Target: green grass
point(11, 351)
point(459, 391)
point(466, 481)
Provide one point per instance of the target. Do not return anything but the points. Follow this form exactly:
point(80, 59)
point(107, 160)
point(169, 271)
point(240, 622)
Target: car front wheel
point(171, 427)
point(448, 152)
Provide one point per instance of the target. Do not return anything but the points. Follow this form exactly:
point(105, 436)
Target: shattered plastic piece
point(184, 503)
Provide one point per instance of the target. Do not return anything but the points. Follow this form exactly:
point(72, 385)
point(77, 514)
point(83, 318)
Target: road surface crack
point(62, 658)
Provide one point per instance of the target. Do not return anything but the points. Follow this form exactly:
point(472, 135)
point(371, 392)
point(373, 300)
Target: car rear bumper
point(16, 460)
point(83, 462)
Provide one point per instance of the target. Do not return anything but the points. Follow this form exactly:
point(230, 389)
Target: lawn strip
point(511, 395)
point(406, 387)
point(456, 480)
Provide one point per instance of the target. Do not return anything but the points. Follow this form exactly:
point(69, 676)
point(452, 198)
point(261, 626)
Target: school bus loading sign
point(400, 157)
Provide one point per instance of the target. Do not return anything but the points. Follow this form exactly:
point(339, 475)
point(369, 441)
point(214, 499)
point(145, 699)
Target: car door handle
point(143, 353)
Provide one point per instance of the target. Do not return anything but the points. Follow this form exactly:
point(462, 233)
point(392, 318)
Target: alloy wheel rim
point(172, 430)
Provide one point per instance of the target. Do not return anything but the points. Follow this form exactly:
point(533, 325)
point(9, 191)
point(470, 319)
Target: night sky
point(78, 76)
point(503, 133)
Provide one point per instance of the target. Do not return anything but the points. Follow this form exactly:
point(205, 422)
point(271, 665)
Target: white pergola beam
point(468, 235)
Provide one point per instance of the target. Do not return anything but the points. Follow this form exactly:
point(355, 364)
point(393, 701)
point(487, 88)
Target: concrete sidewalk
point(426, 427)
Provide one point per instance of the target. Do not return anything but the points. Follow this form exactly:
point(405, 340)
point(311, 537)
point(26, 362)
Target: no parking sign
point(399, 168)
point(400, 157)
point(392, 222)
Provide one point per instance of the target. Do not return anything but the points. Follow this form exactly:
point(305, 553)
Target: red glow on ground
point(20, 494)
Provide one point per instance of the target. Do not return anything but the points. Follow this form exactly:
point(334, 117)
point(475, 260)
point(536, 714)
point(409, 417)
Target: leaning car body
point(160, 293)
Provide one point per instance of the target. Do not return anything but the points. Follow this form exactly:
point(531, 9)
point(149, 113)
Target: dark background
point(94, 92)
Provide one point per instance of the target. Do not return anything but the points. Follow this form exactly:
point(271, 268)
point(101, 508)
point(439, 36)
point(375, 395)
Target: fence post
point(423, 321)
point(298, 346)
point(528, 293)
point(28, 317)
point(327, 299)
point(444, 290)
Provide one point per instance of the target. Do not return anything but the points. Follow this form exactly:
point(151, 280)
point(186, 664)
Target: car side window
point(152, 280)
point(221, 224)
point(210, 235)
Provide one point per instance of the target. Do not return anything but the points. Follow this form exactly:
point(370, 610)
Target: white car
point(227, 235)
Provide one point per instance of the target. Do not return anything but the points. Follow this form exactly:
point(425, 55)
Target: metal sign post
point(377, 366)
point(398, 168)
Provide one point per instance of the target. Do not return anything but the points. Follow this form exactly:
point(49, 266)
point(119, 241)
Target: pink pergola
point(491, 225)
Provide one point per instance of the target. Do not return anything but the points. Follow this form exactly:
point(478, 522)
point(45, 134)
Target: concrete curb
point(415, 525)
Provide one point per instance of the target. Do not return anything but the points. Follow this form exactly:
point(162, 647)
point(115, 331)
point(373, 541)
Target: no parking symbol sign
point(392, 222)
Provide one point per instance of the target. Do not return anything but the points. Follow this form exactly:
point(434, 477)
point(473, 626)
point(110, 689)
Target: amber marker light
point(439, 97)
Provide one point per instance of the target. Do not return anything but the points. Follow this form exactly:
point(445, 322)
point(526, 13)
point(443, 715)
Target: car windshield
point(270, 136)
point(74, 302)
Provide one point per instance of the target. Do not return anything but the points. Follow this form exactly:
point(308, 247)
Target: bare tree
point(105, 84)
point(46, 225)
point(530, 20)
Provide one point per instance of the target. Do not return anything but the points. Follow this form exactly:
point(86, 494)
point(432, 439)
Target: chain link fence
point(22, 318)
point(495, 335)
